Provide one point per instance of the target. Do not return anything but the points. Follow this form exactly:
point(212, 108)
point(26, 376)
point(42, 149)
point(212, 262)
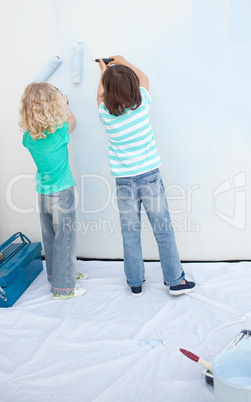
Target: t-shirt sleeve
point(102, 111)
point(64, 133)
point(146, 98)
point(24, 141)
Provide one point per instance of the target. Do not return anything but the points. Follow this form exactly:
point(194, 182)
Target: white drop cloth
point(108, 346)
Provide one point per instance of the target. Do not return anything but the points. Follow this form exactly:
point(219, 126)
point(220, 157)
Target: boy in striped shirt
point(124, 102)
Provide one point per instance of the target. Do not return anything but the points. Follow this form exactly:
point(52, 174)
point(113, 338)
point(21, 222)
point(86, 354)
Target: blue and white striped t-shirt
point(132, 148)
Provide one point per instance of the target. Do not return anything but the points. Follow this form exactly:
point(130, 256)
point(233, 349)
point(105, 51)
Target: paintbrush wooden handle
point(205, 364)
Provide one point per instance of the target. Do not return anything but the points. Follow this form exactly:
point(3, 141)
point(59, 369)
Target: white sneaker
point(82, 276)
point(78, 291)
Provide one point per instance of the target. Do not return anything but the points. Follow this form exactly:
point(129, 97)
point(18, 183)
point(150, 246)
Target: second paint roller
point(78, 52)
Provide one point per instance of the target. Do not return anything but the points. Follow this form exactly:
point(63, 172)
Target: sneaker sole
point(66, 297)
point(137, 294)
point(182, 292)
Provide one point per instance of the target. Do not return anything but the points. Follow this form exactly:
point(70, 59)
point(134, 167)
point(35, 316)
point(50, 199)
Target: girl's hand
point(117, 60)
point(64, 99)
point(102, 66)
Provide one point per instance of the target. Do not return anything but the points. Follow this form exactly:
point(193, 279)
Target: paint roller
point(78, 51)
point(49, 69)
point(77, 63)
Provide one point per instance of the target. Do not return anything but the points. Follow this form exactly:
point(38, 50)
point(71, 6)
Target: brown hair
point(41, 110)
point(121, 89)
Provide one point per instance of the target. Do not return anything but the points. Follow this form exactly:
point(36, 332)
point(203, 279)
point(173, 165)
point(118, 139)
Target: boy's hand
point(117, 60)
point(102, 66)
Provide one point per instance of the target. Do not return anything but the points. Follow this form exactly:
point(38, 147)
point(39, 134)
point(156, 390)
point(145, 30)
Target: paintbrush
point(197, 359)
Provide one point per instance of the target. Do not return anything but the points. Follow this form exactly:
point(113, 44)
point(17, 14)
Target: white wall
point(197, 57)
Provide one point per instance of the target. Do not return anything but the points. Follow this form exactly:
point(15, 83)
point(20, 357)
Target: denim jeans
point(57, 214)
point(132, 192)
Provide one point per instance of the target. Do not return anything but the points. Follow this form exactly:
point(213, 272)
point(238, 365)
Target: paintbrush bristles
point(191, 355)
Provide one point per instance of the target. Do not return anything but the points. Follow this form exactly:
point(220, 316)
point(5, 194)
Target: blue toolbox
point(20, 264)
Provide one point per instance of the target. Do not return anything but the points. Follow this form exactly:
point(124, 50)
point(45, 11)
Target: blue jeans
point(132, 192)
point(57, 214)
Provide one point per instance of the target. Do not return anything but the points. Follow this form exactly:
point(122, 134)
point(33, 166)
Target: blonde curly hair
point(42, 111)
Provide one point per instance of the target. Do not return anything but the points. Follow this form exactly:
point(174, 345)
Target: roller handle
point(106, 61)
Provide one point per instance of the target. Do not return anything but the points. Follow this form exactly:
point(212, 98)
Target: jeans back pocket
point(124, 191)
point(154, 187)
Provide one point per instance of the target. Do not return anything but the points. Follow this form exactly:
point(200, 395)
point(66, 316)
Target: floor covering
point(108, 346)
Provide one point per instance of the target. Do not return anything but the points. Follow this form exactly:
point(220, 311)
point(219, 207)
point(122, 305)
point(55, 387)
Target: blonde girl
point(47, 121)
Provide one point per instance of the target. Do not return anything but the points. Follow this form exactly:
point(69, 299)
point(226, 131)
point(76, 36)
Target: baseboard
point(182, 261)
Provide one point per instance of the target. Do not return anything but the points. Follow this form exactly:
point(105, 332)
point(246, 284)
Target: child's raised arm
point(70, 117)
point(103, 67)
point(143, 79)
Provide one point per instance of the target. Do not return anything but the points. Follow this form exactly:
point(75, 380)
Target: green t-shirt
point(50, 155)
